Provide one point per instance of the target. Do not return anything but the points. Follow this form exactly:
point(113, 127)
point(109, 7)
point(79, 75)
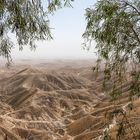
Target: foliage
point(115, 26)
point(27, 20)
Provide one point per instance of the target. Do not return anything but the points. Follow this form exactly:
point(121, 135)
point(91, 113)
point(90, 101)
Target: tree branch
point(133, 7)
point(136, 35)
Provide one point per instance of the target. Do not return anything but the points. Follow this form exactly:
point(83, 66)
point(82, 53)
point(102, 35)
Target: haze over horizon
point(68, 26)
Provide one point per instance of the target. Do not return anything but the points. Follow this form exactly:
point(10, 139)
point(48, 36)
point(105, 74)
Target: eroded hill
point(41, 105)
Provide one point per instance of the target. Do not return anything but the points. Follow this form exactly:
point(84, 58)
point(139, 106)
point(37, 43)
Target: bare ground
point(60, 100)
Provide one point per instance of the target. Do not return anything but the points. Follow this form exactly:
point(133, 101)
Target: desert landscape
point(62, 100)
point(69, 70)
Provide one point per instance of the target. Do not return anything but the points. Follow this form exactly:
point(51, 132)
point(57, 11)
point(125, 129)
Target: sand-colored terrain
point(61, 100)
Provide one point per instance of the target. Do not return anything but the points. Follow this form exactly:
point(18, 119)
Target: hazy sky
point(68, 24)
